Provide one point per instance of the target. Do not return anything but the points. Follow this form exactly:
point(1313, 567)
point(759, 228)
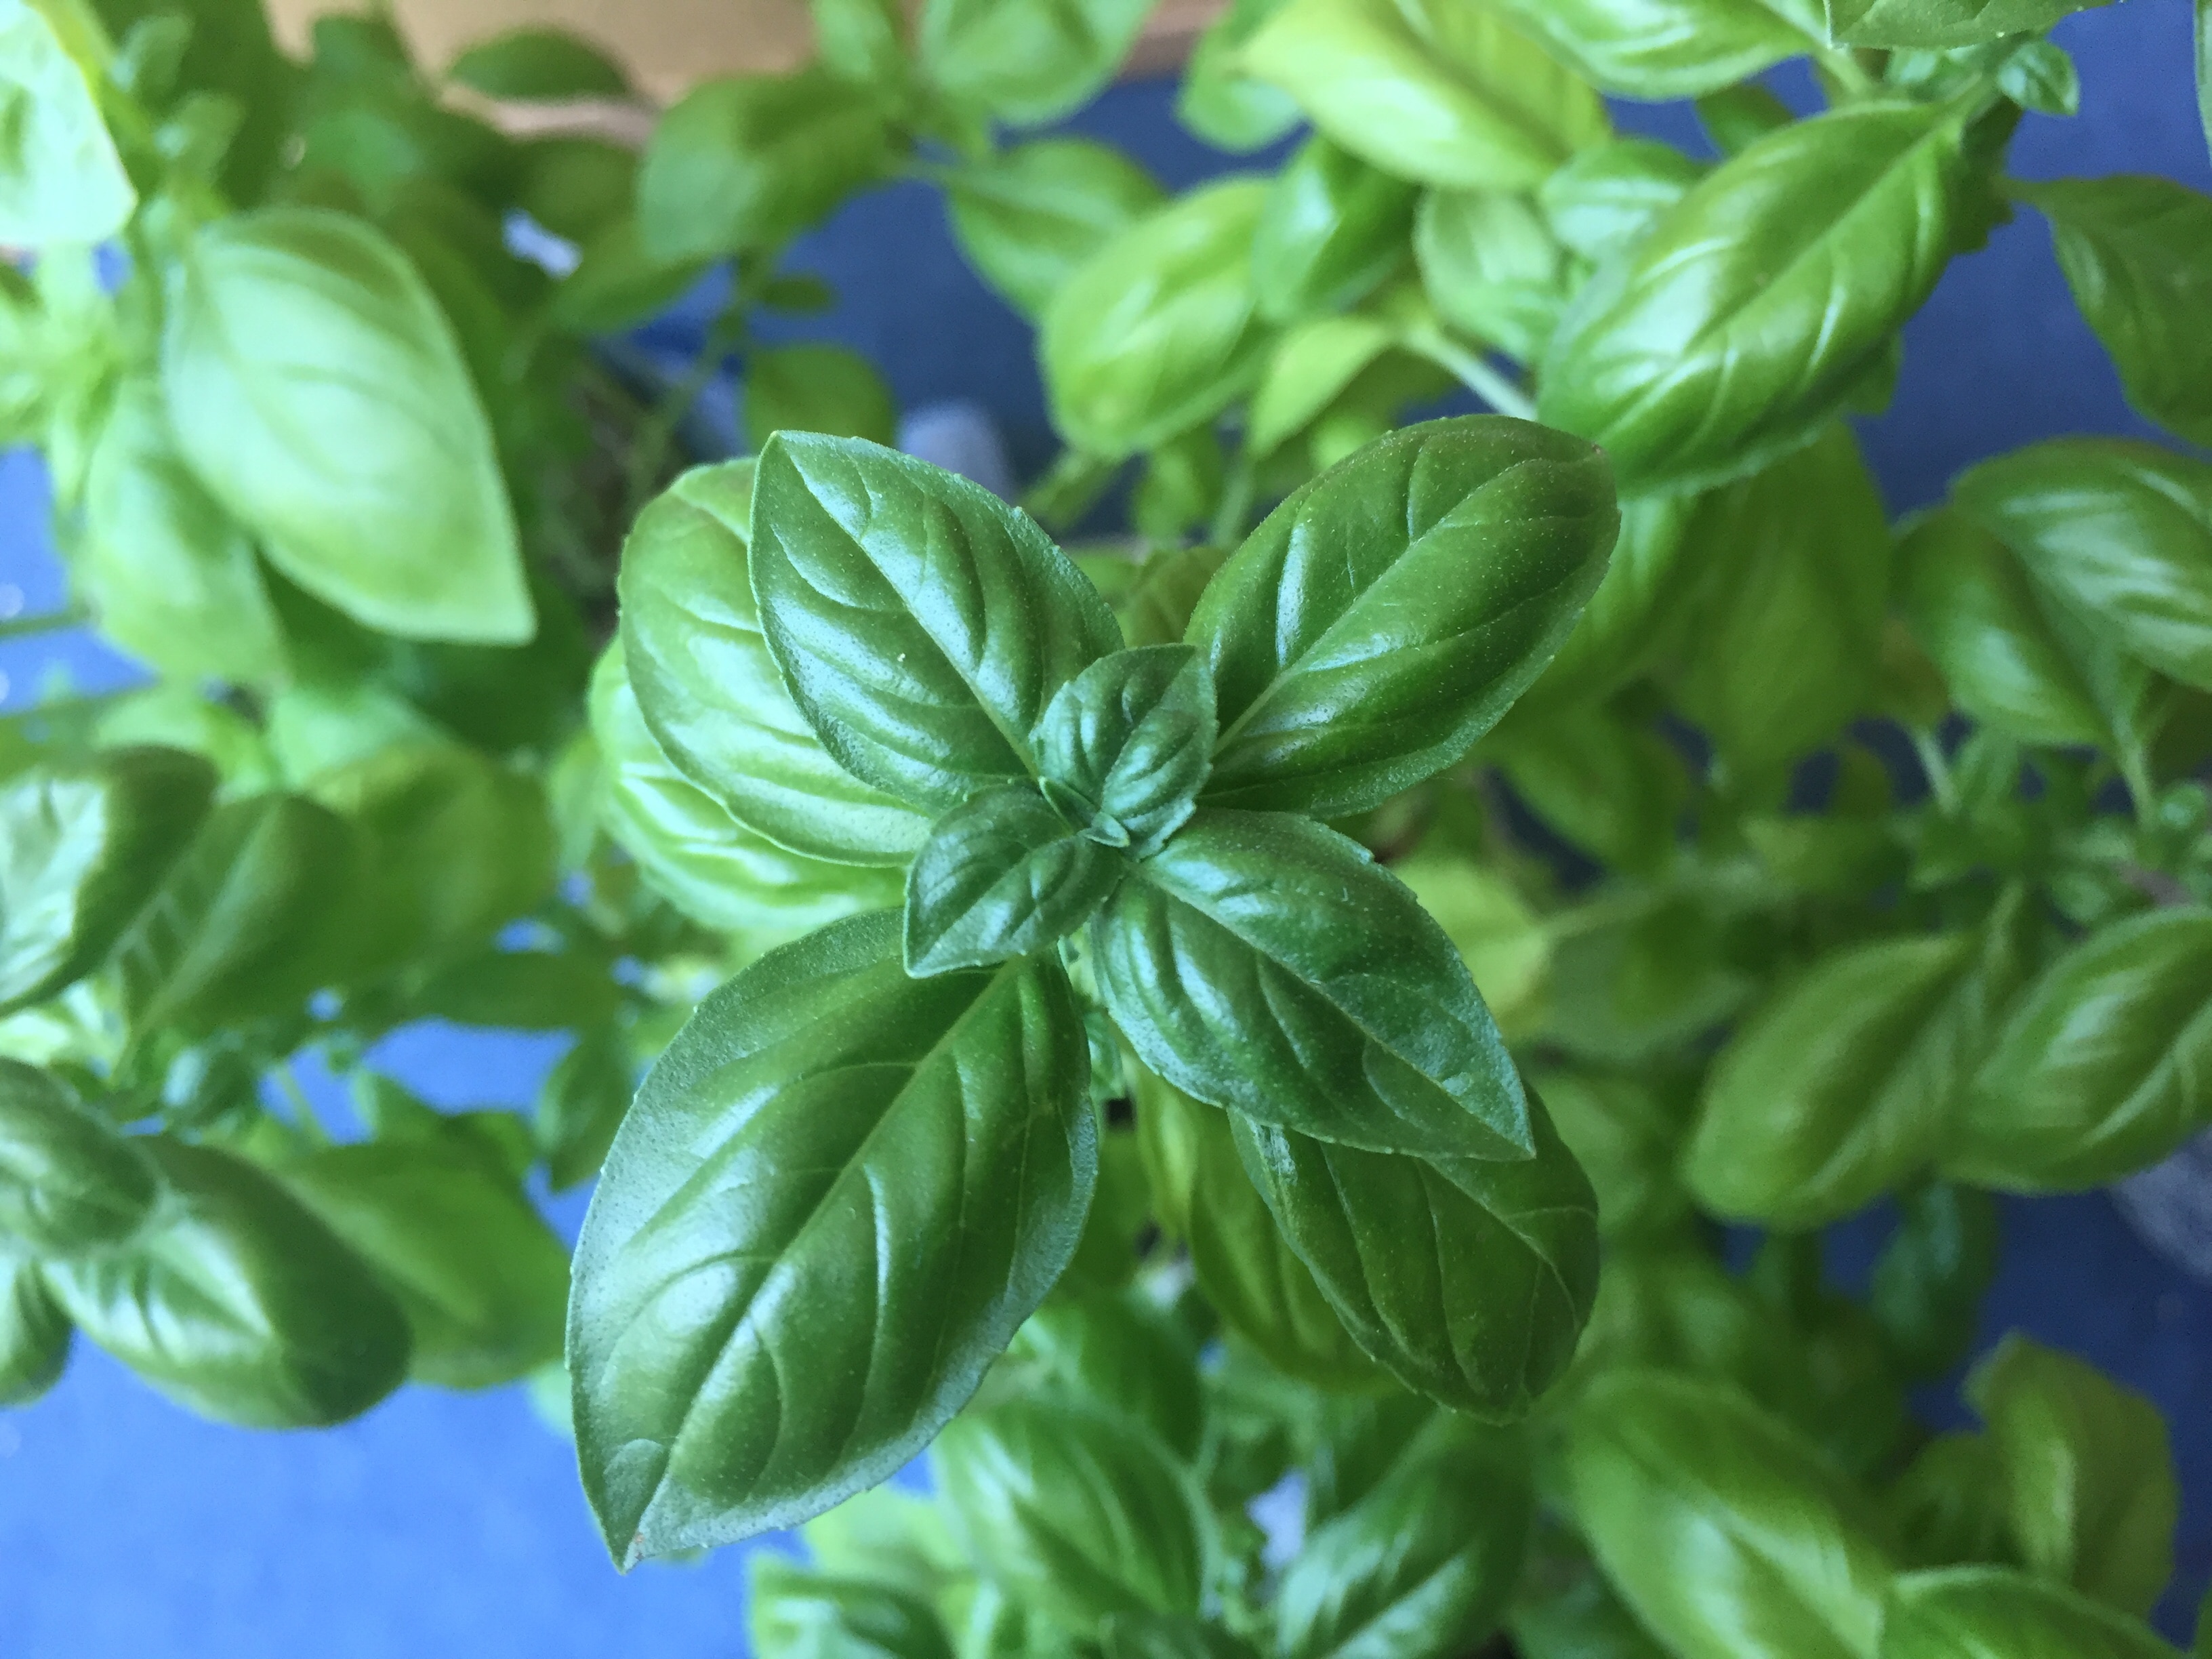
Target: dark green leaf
point(522, 990)
point(1159, 329)
point(1609, 195)
point(34, 1334)
point(1736, 117)
point(1127, 744)
point(61, 180)
point(1332, 229)
point(914, 1159)
point(1002, 875)
point(1157, 609)
point(1492, 268)
point(582, 1105)
point(922, 624)
point(2102, 1067)
point(1655, 578)
point(1626, 1133)
point(69, 1182)
point(1124, 1354)
point(816, 388)
point(1929, 1279)
point(1264, 963)
point(712, 693)
point(1384, 617)
point(1995, 1613)
point(1736, 328)
point(1422, 1566)
point(745, 162)
point(1942, 23)
point(318, 392)
point(1660, 49)
point(1075, 1512)
point(1469, 1279)
point(1025, 61)
point(538, 64)
point(239, 1305)
point(1028, 216)
point(1165, 1636)
point(1948, 1506)
point(2089, 1480)
point(1446, 95)
point(1492, 927)
point(82, 848)
point(794, 1613)
point(1729, 1536)
point(230, 52)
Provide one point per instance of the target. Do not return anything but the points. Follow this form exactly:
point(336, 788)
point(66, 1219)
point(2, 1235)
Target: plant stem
point(1938, 769)
point(47, 622)
point(1474, 373)
point(1236, 509)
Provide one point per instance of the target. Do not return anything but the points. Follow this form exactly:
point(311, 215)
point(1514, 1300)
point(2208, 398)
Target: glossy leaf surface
point(68, 1181)
point(1126, 746)
point(1001, 875)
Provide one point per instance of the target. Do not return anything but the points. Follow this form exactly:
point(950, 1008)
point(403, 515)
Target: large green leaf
point(34, 1333)
point(1001, 875)
point(1384, 617)
point(1076, 1512)
point(2105, 1065)
point(1025, 61)
point(1740, 324)
point(1159, 330)
point(1469, 1279)
point(713, 694)
point(1729, 1536)
point(2091, 1495)
point(1421, 1566)
point(1028, 216)
point(68, 1181)
point(746, 162)
point(2120, 531)
point(837, 1195)
point(2137, 252)
point(1262, 962)
point(239, 1304)
point(61, 180)
point(482, 1280)
point(1943, 22)
point(1671, 48)
point(82, 846)
point(922, 624)
point(1332, 228)
point(703, 861)
point(1996, 1613)
point(318, 391)
point(1445, 94)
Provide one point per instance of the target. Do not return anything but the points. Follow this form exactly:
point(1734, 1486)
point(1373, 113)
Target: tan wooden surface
point(669, 44)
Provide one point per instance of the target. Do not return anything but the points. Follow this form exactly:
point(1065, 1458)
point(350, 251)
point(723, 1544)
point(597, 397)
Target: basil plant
point(1348, 1008)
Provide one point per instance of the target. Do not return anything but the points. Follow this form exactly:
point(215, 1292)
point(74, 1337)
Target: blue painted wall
point(451, 1524)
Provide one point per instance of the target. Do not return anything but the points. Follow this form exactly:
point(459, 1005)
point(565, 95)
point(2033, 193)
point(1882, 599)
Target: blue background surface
point(446, 1523)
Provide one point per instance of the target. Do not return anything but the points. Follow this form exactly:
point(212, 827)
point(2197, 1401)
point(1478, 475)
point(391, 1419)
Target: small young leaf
point(68, 1181)
point(1028, 216)
point(1332, 229)
point(1929, 1279)
point(1131, 739)
point(1001, 875)
point(582, 1105)
point(917, 1157)
point(1996, 1613)
point(1123, 1353)
point(816, 388)
point(920, 622)
point(538, 65)
point(34, 1333)
point(61, 180)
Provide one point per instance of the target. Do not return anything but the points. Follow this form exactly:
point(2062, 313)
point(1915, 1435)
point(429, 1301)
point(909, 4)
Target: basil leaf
point(521, 990)
point(1728, 1536)
point(1123, 1352)
point(239, 1304)
point(1468, 1279)
point(483, 1281)
point(816, 388)
point(1445, 94)
point(1737, 327)
point(2099, 1068)
point(1220, 102)
point(1613, 787)
point(791, 1611)
point(1496, 934)
point(1156, 610)
point(920, 622)
point(82, 846)
point(60, 177)
point(171, 577)
point(538, 65)
point(1311, 365)
point(1841, 1086)
point(68, 1181)
point(1332, 229)
point(1940, 24)
point(34, 1334)
point(318, 392)
point(2120, 531)
point(582, 1105)
point(618, 282)
point(1638, 611)
point(577, 186)
point(1995, 1613)
point(1660, 49)
point(1025, 62)
point(1158, 330)
point(712, 693)
point(1074, 1511)
point(1974, 609)
point(694, 853)
point(1626, 1133)
point(1790, 637)
point(740, 1368)
point(1125, 746)
point(1250, 1276)
point(1492, 268)
point(1161, 1636)
point(1383, 617)
point(1421, 1566)
point(1609, 196)
point(1929, 1279)
point(745, 162)
point(1028, 216)
point(1264, 963)
point(1001, 875)
point(1948, 1505)
point(2091, 1493)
